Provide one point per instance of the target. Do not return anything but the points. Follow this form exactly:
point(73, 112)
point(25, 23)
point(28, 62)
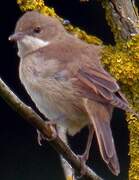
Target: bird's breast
point(55, 98)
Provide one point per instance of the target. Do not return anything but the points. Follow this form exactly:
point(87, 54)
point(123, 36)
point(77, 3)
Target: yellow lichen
point(38, 5)
point(122, 61)
point(26, 5)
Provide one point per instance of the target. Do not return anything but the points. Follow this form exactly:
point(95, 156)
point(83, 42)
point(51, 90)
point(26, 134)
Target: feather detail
point(100, 77)
point(101, 84)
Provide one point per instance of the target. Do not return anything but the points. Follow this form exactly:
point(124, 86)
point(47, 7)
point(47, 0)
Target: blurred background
point(21, 158)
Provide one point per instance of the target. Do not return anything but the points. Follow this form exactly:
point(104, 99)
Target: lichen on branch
point(122, 61)
point(122, 17)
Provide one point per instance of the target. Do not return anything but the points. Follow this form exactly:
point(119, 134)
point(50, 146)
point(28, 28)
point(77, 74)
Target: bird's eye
point(37, 29)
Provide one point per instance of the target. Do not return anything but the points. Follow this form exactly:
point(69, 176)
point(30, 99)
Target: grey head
point(34, 30)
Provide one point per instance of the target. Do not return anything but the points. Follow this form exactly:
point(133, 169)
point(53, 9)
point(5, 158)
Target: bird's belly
point(62, 113)
point(58, 104)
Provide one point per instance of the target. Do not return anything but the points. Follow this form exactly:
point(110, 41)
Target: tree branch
point(123, 18)
point(33, 118)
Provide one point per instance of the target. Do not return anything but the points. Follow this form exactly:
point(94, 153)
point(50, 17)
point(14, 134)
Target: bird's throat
point(29, 44)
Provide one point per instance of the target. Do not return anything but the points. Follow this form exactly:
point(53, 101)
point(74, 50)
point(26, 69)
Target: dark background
point(20, 156)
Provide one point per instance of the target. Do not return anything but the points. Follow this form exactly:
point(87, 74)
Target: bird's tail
point(100, 116)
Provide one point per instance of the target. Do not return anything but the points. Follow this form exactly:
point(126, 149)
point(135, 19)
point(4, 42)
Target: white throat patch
point(30, 43)
point(34, 42)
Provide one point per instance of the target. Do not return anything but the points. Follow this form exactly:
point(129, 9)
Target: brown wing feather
point(99, 77)
point(102, 85)
point(100, 116)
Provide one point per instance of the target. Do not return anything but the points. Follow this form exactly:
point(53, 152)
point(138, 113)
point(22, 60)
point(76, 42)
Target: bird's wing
point(99, 79)
point(96, 84)
point(100, 116)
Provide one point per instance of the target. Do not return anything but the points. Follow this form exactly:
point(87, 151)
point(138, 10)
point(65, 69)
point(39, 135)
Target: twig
point(33, 118)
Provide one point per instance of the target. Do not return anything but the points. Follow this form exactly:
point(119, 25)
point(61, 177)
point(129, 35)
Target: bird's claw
point(83, 158)
point(41, 137)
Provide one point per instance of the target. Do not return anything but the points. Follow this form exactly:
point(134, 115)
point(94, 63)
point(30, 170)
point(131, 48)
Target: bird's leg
point(51, 125)
point(84, 157)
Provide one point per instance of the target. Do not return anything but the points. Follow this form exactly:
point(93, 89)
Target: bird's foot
point(83, 158)
point(40, 136)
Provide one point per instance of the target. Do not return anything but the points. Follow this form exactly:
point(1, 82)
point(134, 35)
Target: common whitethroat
point(65, 79)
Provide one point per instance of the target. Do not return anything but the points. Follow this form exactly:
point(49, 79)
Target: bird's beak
point(16, 36)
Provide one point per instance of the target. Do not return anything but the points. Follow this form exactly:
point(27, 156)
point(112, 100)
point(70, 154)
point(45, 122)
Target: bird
point(68, 84)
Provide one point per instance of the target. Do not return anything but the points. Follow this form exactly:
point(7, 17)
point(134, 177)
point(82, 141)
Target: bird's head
point(34, 30)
